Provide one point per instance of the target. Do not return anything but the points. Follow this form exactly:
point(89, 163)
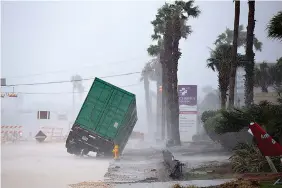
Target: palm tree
point(148, 73)
point(274, 26)
point(263, 77)
point(182, 11)
point(234, 55)
point(220, 61)
point(227, 38)
point(276, 72)
point(169, 20)
point(76, 86)
point(249, 67)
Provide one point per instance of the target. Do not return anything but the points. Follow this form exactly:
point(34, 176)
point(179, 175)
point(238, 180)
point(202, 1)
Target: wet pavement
point(144, 166)
point(136, 165)
point(198, 183)
point(46, 165)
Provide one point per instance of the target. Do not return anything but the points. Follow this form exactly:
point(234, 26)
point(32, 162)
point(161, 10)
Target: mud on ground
point(135, 166)
point(146, 164)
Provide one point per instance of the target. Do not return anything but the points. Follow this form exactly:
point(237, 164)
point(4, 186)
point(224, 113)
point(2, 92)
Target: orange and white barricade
point(11, 133)
point(53, 133)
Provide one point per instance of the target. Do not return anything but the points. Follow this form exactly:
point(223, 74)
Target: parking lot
point(46, 165)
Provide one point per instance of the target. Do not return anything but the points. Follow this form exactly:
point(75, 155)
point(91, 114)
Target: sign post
point(187, 111)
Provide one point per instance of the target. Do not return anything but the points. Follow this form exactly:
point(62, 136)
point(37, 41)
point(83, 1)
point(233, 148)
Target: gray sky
point(102, 38)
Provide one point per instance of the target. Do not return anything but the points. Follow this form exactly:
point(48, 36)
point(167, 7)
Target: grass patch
point(207, 176)
point(222, 171)
point(270, 185)
point(236, 184)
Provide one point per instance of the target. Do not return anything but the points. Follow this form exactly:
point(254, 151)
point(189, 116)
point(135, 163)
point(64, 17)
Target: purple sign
point(187, 95)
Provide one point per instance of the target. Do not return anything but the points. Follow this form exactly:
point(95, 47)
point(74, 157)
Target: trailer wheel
point(69, 150)
point(77, 152)
point(108, 154)
point(84, 152)
point(99, 154)
point(74, 150)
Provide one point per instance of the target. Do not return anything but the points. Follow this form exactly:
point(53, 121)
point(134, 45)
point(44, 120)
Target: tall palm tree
point(220, 61)
point(234, 54)
point(148, 73)
point(181, 13)
point(157, 52)
point(77, 85)
point(227, 38)
point(167, 16)
point(249, 67)
point(274, 26)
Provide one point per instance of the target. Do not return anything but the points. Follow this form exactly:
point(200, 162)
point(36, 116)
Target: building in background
point(240, 85)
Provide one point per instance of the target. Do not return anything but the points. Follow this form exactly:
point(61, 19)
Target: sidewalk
point(200, 183)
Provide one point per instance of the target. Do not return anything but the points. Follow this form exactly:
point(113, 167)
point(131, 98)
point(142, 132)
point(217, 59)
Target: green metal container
point(107, 117)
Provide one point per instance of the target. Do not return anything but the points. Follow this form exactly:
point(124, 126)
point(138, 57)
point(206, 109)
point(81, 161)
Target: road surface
point(46, 165)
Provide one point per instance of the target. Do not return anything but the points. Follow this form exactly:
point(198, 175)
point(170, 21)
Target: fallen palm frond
point(248, 158)
point(91, 185)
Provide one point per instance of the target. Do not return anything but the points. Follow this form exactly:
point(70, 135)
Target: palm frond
point(153, 50)
point(211, 64)
point(257, 44)
point(274, 26)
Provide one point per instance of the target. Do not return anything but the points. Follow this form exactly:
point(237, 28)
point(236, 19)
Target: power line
point(64, 70)
point(68, 81)
point(70, 92)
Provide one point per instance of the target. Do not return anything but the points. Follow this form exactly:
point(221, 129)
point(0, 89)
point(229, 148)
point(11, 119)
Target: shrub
point(248, 158)
point(266, 114)
point(210, 125)
point(208, 114)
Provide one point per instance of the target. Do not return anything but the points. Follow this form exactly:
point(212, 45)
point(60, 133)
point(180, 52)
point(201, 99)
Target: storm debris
point(91, 185)
point(240, 183)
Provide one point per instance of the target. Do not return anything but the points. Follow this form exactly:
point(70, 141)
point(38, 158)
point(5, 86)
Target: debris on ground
point(239, 183)
point(91, 185)
point(232, 184)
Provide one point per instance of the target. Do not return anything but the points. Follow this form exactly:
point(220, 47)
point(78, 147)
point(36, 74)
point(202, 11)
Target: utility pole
point(73, 107)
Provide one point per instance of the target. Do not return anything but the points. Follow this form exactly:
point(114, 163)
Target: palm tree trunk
point(175, 103)
point(232, 80)
point(249, 67)
point(158, 70)
point(147, 99)
point(223, 99)
point(159, 108)
point(163, 94)
point(167, 73)
point(264, 88)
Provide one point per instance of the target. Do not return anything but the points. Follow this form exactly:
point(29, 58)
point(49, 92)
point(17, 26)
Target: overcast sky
point(51, 41)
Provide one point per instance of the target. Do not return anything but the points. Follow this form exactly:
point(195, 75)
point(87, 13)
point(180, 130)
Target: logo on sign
point(264, 136)
point(183, 91)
